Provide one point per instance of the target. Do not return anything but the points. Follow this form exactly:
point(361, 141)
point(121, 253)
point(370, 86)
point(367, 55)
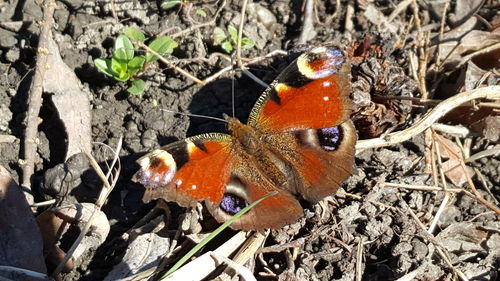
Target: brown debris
point(378, 83)
point(21, 244)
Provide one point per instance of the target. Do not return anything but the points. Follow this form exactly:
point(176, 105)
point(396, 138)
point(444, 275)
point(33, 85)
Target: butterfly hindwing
point(247, 184)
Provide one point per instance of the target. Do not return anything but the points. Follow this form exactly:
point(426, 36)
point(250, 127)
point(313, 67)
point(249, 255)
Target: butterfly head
point(244, 135)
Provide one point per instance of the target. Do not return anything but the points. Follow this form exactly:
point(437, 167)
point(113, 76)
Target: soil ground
point(366, 230)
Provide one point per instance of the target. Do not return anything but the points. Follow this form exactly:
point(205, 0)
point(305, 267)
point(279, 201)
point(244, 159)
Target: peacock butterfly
point(299, 141)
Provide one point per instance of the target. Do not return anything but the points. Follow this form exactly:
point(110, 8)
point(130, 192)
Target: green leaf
point(219, 35)
point(120, 69)
point(134, 34)
point(233, 33)
point(167, 4)
point(247, 43)
point(200, 12)
point(104, 66)
point(123, 43)
point(137, 87)
point(161, 45)
point(135, 65)
point(227, 46)
point(121, 56)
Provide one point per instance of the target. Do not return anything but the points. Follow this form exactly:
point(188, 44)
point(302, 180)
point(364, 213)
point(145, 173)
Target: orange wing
point(311, 93)
point(187, 171)
point(207, 168)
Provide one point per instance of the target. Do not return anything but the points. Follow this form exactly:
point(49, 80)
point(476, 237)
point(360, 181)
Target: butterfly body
point(298, 142)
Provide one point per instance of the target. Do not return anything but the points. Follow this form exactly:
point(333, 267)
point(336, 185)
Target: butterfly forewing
point(313, 92)
point(187, 171)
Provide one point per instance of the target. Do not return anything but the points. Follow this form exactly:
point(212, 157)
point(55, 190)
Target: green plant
point(212, 235)
point(228, 43)
point(168, 4)
point(126, 64)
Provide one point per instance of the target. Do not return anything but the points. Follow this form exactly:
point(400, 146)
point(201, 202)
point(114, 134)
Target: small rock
point(5, 117)
point(420, 249)
point(262, 14)
point(12, 55)
point(133, 144)
point(131, 126)
point(148, 139)
point(8, 39)
point(63, 178)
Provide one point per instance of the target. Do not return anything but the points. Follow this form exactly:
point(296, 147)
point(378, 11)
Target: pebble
point(131, 126)
point(8, 39)
point(12, 55)
point(5, 117)
point(148, 139)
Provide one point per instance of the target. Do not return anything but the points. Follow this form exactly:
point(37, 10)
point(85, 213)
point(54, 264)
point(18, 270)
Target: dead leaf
point(473, 246)
point(463, 40)
point(21, 243)
point(71, 102)
point(465, 9)
point(54, 223)
point(489, 126)
point(452, 168)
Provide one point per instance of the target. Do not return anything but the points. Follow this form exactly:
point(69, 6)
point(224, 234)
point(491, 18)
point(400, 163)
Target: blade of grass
point(213, 235)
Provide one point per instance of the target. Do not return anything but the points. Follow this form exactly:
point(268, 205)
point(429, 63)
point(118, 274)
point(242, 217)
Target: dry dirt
point(366, 231)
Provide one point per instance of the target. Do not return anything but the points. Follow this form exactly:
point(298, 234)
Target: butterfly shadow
point(216, 99)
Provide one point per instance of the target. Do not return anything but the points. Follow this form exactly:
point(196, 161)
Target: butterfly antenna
point(194, 115)
point(232, 98)
point(232, 90)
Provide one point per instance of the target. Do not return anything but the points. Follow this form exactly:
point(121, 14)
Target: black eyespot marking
point(232, 203)
point(330, 138)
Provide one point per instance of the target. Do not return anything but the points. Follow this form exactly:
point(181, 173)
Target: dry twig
point(307, 32)
point(359, 259)
point(437, 188)
point(490, 92)
point(240, 33)
point(35, 96)
point(107, 188)
point(349, 24)
point(169, 63)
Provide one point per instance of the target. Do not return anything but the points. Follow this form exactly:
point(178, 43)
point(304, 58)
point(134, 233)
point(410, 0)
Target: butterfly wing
point(320, 159)
point(187, 171)
point(210, 167)
point(248, 183)
point(311, 93)
point(307, 108)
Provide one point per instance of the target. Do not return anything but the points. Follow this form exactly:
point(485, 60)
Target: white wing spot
point(326, 98)
point(179, 182)
point(193, 187)
point(326, 84)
